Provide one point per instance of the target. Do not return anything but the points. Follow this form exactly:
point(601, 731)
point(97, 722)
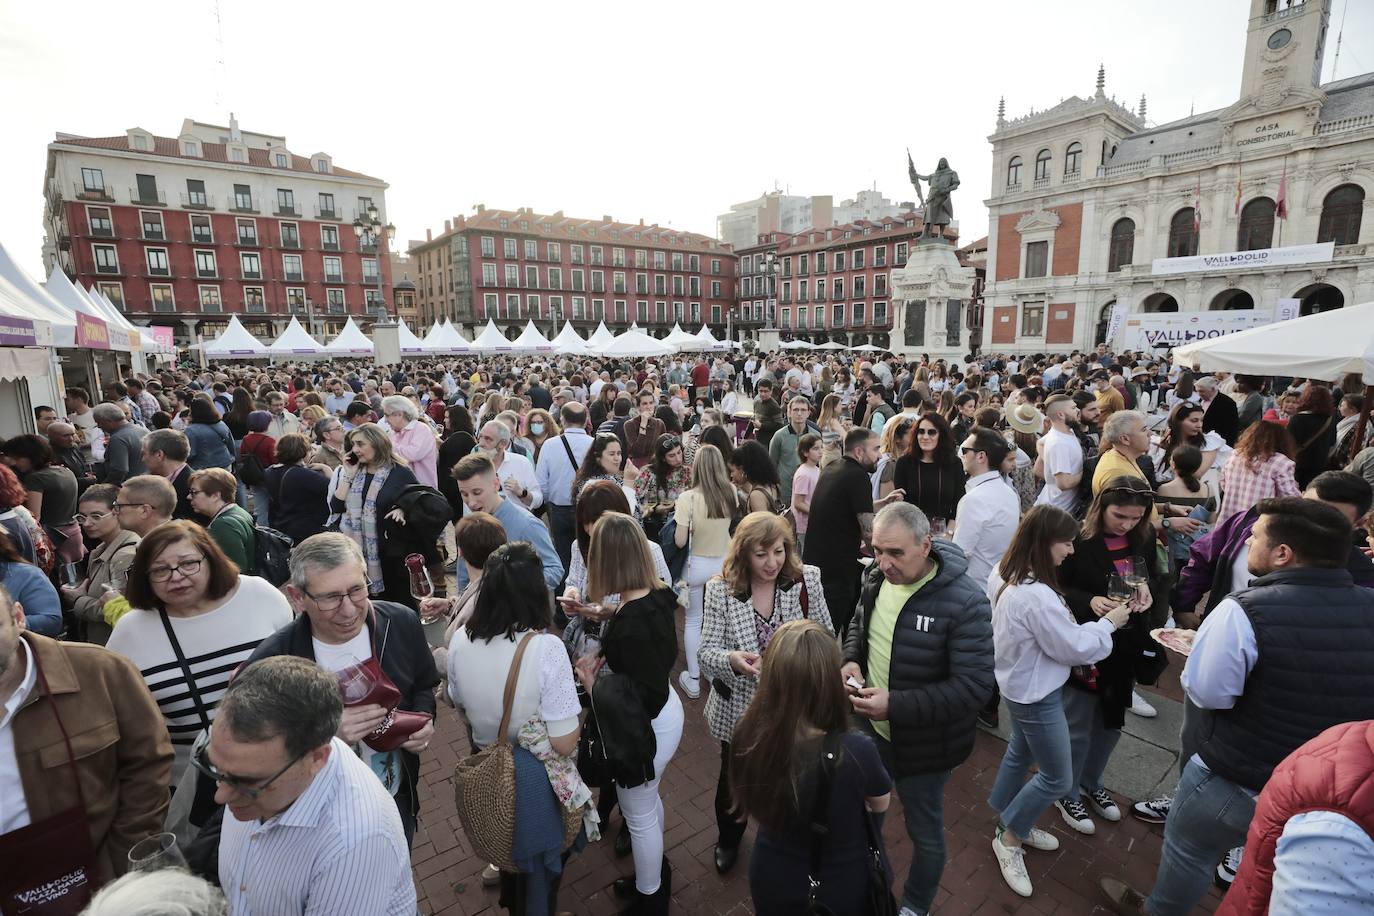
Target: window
point(620, 311)
point(1032, 319)
point(281, 160)
point(99, 221)
point(531, 277)
point(295, 299)
point(364, 204)
point(1042, 164)
point(1182, 238)
point(1073, 158)
point(291, 266)
point(532, 303)
point(838, 286)
point(554, 251)
point(243, 197)
point(333, 270)
point(575, 253)
point(860, 282)
point(322, 166)
point(901, 253)
point(251, 265)
point(253, 299)
point(839, 260)
point(837, 321)
point(715, 314)
point(858, 259)
point(596, 255)
point(531, 250)
point(373, 302)
point(326, 206)
point(157, 262)
point(201, 232)
point(660, 312)
point(510, 249)
point(660, 260)
point(205, 265)
point(641, 283)
point(195, 193)
point(490, 304)
point(1122, 247)
point(93, 181)
point(512, 274)
point(880, 313)
point(555, 278)
point(598, 281)
point(140, 142)
point(152, 225)
point(820, 262)
point(617, 257)
point(248, 232)
point(1037, 258)
point(162, 298)
point(147, 190)
point(555, 306)
point(286, 202)
point(618, 280)
point(106, 262)
point(579, 307)
point(880, 256)
point(290, 235)
point(114, 292)
point(512, 305)
point(577, 281)
point(335, 299)
point(677, 286)
point(642, 310)
point(237, 154)
point(1256, 225)
point(329, 238)
point(660, 284)
point(488, 247)
point(370, 274)
point(190, 148)
point(677, 312)
point(786, 317)
point(1014, 172)
point(715, 289)
point(1340, 220)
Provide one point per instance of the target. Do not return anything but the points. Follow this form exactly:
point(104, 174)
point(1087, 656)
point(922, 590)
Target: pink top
point(804, 484)
point(1245, 483)
point(416, 444)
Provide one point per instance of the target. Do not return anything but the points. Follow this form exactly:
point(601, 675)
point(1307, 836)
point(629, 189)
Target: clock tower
point(1283, 52)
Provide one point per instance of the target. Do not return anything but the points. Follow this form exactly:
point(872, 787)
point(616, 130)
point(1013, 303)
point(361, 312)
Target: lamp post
point(369, 225)
point(770, 270)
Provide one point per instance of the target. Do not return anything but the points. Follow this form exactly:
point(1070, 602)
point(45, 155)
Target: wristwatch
point(1166, 521)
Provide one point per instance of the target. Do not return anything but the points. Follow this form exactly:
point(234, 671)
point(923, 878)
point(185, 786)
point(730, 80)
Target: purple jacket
point(1211, 557)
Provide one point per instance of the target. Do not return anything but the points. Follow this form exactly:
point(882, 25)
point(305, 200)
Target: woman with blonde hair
point(832, 429)
point(365, 491)
point(310, 415)
point(895, 442)
point(762, 586)
point(638, 643)
point(702, 514)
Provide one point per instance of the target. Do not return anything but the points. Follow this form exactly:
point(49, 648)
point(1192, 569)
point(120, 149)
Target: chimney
point(481, 208)
point(641, 221)
point(448, 226)
point(607, 218)
point(234, 134)
point(429, 235)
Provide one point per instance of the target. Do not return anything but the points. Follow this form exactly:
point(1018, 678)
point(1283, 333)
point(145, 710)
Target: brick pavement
point(448, 876)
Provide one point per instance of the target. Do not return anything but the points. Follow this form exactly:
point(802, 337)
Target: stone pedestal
point(386, 342)
point(769, 339)
point(930, 294)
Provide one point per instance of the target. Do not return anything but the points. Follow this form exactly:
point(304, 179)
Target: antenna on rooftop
point(223, 68)
point(1340, 33)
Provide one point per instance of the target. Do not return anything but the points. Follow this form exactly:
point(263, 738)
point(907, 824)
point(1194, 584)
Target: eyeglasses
point(200, 759)
point(190, 492)
point(355, 595)
point(968, 450)
point(118, 506)
point(93, 517)
point(927, 432)
point(670, 442)
point(187, 569)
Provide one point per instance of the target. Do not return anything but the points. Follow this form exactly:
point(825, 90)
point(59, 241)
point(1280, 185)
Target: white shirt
point(803, 379)
point(477, 674)
point(336, 658)
point(14, 807)
point(1323, 863)
point(339, 848)
point(988, 514)
point(1224, 653)
point(554, 473)
point(1062, 455)
point(519, 467)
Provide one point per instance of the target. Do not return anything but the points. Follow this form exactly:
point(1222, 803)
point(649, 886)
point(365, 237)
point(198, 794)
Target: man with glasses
point(783, 446)
point(308, 829)
point(144, 503)
point(516, 472)
point(339, 627)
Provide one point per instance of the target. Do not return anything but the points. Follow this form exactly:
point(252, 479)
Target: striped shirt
point(215, 643)
point(339, 849)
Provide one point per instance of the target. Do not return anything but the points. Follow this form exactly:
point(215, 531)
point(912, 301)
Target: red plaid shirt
point(1244, 483)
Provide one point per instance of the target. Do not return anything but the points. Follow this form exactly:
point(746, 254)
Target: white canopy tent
point(430, 342)
point(1326, 346)
point(707, 341)
point(235, 341)
point(409, 342)
point(866, 348)
point(37, 301)
point(600, 338)
point(69, 298)
point(491, 340)
point(568, 342)
point(797, 345)
point(681, 339)
point(636, 343)
point(350, 342)
point(295, 341)
point(450, 341)
point(531, 341)
point(831, 345)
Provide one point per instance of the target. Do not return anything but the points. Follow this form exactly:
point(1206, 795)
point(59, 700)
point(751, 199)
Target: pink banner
point(91, 332)
point(164, 336)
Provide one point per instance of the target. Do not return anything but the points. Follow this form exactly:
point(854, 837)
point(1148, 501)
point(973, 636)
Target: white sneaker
point(1141, 708)
point(1075, 814)
point(1226, 870)
point(1012, 862)
point(689, 685)
point(491, 876)
point(1042, 840)
point(1104, 804)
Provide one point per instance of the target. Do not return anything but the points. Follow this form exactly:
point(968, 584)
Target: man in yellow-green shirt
point(920, 644)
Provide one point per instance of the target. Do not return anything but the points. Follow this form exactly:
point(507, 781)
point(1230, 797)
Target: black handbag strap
point(820, 816)
point(185, 670)
point(568, 448)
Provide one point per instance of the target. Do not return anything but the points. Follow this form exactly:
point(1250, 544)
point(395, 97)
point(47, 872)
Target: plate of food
point(1180, 641)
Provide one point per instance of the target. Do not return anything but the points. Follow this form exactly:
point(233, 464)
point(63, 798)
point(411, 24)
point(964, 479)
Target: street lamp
point(369, 226)
point(770, 270)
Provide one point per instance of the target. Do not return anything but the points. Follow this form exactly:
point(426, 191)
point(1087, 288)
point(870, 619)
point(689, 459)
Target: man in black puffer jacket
point(921, 643)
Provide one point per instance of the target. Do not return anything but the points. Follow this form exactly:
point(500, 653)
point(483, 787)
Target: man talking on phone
point(920, 646)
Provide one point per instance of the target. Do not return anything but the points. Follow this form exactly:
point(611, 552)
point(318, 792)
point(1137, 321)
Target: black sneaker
point(1076, 815)
point(1154, 811)
point(989, 719)
point(1226, 870)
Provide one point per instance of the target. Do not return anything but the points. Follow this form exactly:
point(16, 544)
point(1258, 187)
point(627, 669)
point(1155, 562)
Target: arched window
point(1340, 222)
point(1042, 164)
point(1256, 225)
point(1182, 238)
point(1122, 244)
point(1073, 158)
point(1014, 172)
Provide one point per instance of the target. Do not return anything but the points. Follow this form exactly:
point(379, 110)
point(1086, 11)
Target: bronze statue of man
point(938, 209)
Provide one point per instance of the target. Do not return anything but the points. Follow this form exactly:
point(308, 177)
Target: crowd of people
point(232, 599)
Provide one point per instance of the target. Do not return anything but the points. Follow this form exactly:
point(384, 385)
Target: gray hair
point(399, 403)
point(111, 413)
point(904, 513)
point(325, 551)
point(285, 696)
point(1118, 423)
point(60, 427)
point(1205, 381)
point(172, 443)
point(165, 892)
point(500, 430)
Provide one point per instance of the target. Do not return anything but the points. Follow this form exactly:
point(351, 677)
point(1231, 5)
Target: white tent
point(867, 348)
point(350, 342)
point(122, 332)
point(235, 341)
point(430, 342)
point(409, 342)
point(680, 339)
point(636, 343)
point(568, 342)
point(600, 338)
point(67, 297)
point(531, 341)
point(1326, 345)
point(450, 341)
point(797, 345)
point(491, 340)
point(832, 345)
point(295, 341)
point(707, 341)
point(37, 301)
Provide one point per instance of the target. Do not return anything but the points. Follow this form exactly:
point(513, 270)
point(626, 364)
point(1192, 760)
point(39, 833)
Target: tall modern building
point(1092, 205)
point(791, 213)
point(511, 266)
point(186, 230)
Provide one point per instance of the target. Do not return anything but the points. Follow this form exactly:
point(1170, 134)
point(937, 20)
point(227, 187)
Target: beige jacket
point(107, 563)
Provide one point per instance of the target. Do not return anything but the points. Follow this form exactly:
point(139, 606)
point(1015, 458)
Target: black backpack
point(250, 470)
point(272, 554)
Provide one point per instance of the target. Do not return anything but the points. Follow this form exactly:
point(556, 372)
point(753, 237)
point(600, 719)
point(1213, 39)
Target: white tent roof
point(567, 341)
point(409, 342)
point(600, 337)
point(350, 342)
point(295, 341)
point(797, 345)
point(14, 306)
point(831, 345)
point(681, 339)
point(635, 343)
point(430, 342)
point(235, 341)
point(531, 341)
point(37, 301)
point(708, 341)
point(867, 348)
point(450, 341)
point(1326, 345)
point(491, 340)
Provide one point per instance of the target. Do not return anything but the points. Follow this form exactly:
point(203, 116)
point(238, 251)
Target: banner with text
point(164, 336)
point(1246, 260)
point(1174, 329)
point(91, 332)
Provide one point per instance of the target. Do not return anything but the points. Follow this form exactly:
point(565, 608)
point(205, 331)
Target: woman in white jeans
point(703, 516)
point(638, 641)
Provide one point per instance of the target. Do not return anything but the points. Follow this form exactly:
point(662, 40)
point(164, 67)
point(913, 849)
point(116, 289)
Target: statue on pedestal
point(938, 209)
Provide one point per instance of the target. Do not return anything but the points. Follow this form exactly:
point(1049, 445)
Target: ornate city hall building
point(1239, 208)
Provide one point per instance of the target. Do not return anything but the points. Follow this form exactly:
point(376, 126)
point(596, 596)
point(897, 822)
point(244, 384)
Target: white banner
point(1231, 260)
point(1174, 329)
point(1114, 320)
point(1287, 308)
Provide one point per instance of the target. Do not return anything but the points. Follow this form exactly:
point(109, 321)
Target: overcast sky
point(666, 112)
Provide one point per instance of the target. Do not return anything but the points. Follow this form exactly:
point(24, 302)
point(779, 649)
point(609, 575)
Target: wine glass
point(355, 683)
point(156, 852)
point(938, 526)
point(1118, 589)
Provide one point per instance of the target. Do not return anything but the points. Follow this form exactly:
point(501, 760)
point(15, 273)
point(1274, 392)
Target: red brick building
point(516, 265)
point(184, 231)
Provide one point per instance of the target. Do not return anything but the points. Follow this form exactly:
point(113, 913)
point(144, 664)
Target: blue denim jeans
point(1091, 743)
point(1209, 816)
point(923, 810)
point(1039, 735)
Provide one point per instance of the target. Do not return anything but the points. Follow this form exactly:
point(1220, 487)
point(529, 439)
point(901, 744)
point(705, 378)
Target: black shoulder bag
point(878, 892)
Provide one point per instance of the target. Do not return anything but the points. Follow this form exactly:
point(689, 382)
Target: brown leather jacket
point(123, 755)
point(640, 448)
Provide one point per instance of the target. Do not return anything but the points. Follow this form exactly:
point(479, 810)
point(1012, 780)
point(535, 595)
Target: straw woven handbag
point(484, 786)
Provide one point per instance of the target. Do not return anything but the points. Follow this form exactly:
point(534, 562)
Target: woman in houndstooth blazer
point(762, 585)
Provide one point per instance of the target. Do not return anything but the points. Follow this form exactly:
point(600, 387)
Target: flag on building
point(1197, 207)
point(1239, 186)
point(1281, 204)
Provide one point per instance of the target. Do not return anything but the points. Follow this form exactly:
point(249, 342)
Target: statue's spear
point(915, 179)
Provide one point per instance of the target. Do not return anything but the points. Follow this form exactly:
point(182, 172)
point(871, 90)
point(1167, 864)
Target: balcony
point(330, 246)
point(98, 194)
point(1013, 187)
point(207, 274)
point(367, 247)
point(102, 232)
point(294, 276)
point(159, 273)
point(285, 210)
point(109, 270)
point(196, 200)
point(242, 205)
point(206, 239)
point(155, 235)
point(247, 241)
point(333, 278)
point(255, 308)
point(156, 199)
point(370, 280)
point(327, 213)
point(292, 243)
point(250, 275)
point(1040, 183)
point(1070, 177)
